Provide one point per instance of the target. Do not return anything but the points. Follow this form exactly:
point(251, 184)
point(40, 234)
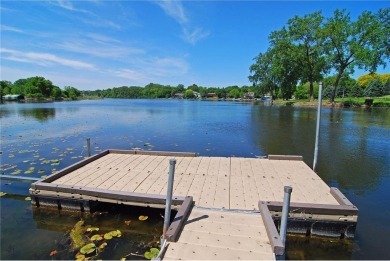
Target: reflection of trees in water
point(284, 130)
point(352, 155)
point(5, 113)
point(41, 114)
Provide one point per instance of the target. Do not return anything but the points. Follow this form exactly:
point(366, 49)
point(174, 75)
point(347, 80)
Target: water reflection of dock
point(236, 200)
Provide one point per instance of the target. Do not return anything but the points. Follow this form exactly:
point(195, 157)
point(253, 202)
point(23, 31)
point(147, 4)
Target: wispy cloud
point(153, 69)
point(175, 9)
point(89, 17)
point(43, 59)
point(99, 50)
point(10, 28)
point(168, 66)
point(68, 5)
point(195, 35)
point(129, 74)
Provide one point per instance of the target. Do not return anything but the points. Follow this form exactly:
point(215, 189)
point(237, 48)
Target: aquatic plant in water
point(143, 218)
point(153, 253)
point(77, 235)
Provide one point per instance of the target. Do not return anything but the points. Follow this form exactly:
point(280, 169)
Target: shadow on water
point(40, 114)
point(314, 248)
point(34, 233)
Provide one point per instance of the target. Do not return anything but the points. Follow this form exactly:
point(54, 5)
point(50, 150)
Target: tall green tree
point(305, 34)
point(361, 43)
point(262, 75)
point(285, 68)
point(71, 92)
point(375, 88)
point(5, 88)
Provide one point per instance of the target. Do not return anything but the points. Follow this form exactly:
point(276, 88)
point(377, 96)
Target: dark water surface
point(354, 155)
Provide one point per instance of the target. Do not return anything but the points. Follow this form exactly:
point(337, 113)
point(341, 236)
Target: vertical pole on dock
point(285, 210)
point(317, 126)
point(168, 202)
point(89, 146)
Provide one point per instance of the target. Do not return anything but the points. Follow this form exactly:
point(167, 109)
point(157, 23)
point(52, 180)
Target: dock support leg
point(89, 146)
point(317, 127)
point(285, 210)
point(168, 202)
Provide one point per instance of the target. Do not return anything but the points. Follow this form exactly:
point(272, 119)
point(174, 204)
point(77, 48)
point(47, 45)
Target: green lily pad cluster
point(30, 170)
point(110, 235)
point(90, 246)
point(153, 253)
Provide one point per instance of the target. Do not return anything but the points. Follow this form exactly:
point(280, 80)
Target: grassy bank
point(340, 102)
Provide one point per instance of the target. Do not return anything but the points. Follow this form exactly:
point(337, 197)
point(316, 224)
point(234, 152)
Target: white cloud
point(130, 75)
point(10, 28)
point(155, 69)
point(175, 9)
point(43, 59)
point(102, 38)
point(169, 66)
point(99, 50)
point(68, 5)
point(195, 35)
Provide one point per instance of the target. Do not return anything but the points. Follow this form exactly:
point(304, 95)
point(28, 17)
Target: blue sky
point(99, 44)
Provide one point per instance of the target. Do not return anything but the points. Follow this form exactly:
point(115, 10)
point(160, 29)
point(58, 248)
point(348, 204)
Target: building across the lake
point(13, 97)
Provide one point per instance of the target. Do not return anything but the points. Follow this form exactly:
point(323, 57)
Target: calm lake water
point(39, 138)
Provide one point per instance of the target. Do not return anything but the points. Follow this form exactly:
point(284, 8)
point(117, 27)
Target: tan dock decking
point(216, 235)
point(219, 186)
point(214, 182)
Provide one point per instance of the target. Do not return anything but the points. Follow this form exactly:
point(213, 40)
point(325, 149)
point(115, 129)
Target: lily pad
point(143, 218)
point(107, 236)
point(110, 235)
point(103, 245)
point(88, 249)
point(2, 193)
point(41, 171)
point(27, 198)
point(90, 229)
point(30, 170)
point(80, 257)
point(153, 253)
point(96, 238)
point(16, 172)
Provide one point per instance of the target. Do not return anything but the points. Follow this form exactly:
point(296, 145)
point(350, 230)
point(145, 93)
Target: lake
point(40, 138)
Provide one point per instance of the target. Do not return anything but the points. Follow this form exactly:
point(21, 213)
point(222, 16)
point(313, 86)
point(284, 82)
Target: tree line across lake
point(368, 85)
point(38, 88)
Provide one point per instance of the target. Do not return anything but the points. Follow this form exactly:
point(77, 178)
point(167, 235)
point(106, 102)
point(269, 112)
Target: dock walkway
point(219, 186)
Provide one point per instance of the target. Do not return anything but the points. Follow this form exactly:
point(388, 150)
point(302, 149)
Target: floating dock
point(228, 207)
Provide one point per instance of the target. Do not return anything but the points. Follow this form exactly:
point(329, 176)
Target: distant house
point(197, 95)
point(179, 96)
point(249, 95)
point(212, 95)
point(13, 97)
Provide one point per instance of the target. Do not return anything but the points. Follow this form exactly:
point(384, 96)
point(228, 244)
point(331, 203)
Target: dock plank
point(220, 235)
